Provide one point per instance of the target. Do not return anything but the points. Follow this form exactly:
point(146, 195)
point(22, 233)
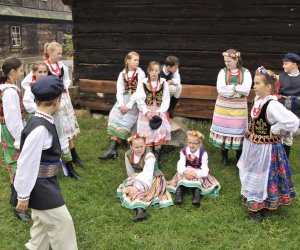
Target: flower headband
point(196, 134)
point(231, 54)
point(262, 70)
point(137, 136)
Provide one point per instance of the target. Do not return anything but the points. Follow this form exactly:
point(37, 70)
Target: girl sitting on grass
point(146, 184)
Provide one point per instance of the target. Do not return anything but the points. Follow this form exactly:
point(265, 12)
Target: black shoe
point(23, 216)
point(178, 196)
point(112, 151)
point(173, 103)
point(196, 197)
point(224, 153)
point(287, 150)
point(13, 196)
point(72, 173)
point(140, 214)
point(256, 216)
point(238, 154)
point(76, 159)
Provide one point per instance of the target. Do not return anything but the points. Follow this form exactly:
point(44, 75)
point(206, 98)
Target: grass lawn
point(102, 223)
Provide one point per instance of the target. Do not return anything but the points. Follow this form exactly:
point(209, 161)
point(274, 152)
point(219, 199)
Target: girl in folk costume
point(53, 56)
point(146, 184)
point(40, 69)
point(153, 103)
point(193, 171)
point(12, 119)
point(123, 115)
point(230, 115)
point(264, 168)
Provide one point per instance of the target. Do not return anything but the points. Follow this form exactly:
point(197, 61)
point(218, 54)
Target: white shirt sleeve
point(146, 176)
point(129, 168)
point(66, 78)
point(12, 114)
point(166, 99)
point(181, 167)
point(203, 172)
point(283, 119)
point(176, 78)
point(245, 87)
point(28, 101)
point(29, 161)
point(224, 89)
point(27, 80)
point(120, 90)
point(141, 97)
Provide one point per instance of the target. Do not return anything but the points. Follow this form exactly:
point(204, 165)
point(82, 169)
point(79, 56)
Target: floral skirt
point(281, 188)
point(208, 185)
point(156, 195)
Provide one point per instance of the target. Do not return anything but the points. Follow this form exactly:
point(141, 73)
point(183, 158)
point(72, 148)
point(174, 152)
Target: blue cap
point(292, 57)
point(47, 88)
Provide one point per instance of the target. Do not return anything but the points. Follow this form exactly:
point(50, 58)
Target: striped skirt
point(156, 195)
point(208, 185)
point(229, 122)
point(120, 125)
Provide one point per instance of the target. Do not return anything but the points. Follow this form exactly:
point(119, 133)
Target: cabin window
point(15, 36)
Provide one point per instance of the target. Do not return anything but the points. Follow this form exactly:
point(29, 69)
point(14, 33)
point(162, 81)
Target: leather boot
point(196, 197)
point(178, 196)
point(112, 151)
point(173, 103)
point(76, 160)
point(23, 216)
point(287, 150)
point(140, 214)
point(72, 172)
point(238, 154)
point(224, 153)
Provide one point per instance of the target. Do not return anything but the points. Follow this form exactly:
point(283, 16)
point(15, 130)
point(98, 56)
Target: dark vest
point(130, 86)
point(195, 163)
point(46, 193)
point(259, 128)
point(163, 75)
point(61, 74)
point(153, 97)
point(289, 86)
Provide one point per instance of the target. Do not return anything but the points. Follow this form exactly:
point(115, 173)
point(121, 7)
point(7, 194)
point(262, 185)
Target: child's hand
point(149, 115)
point(170, 82)
point(22, 206)
point(157, 113)
point(189, 174)
point(123, 109)
point(131, 191)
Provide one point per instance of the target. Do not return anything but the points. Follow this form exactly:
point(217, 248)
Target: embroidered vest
point(130, 87)
point(259, 128)
point(154, 97)
point(23, 112)
point(196, 162)
point(138, 167)
point(234, 79)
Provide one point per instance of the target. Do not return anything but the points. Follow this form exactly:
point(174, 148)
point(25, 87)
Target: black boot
point(140, 214)
point(72, 172)
point(238, 155)
point(112, 151)
point(287, 150)
point(256, 216)
point(173, 103)
point(224, 153)
point(196, 197)
point(157, 155)
point(75, 158)
point(178, 196)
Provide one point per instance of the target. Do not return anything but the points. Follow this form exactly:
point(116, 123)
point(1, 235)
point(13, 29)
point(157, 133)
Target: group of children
point(33, 152)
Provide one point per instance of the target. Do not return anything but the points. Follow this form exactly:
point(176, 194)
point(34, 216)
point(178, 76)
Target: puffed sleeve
point(166, 99)
point(245, 87)
point(224, 89)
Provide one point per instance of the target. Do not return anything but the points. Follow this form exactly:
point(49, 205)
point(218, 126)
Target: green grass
point(102, 223)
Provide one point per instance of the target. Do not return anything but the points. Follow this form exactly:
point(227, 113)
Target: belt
point(47, 171)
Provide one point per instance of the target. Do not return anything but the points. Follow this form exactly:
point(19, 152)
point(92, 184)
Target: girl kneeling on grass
point(146, 184)
point(193, 171)
point(265, 171)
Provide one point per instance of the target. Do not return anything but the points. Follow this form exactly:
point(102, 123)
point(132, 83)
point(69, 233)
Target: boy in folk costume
point(289, 90)
point(170, 72)
point(36, 178)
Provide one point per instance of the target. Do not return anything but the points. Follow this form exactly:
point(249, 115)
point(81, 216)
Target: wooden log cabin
point(196, 31)
point(26, 25)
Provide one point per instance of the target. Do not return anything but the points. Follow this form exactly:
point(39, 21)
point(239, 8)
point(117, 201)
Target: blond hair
point(128, 57)
point(49, 47)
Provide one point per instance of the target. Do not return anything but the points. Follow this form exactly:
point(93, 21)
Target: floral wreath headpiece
point(196, 134)
point(137, 136)
point(231, 54)
point(262, 70)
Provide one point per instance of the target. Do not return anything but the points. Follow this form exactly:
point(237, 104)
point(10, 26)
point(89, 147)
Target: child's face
point(261, 89)
point(289, 67)
point(41, 72)
point(56, 54)
point(154, 72)
point(17, 74)
point(138, 146)
point(133, 63)
point(172, 69)
point(230, 63)
point(56, 104)
point(194, 143)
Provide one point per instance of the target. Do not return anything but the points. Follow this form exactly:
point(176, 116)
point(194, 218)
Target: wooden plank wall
point(197, 31)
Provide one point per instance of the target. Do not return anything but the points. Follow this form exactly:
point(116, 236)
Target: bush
point(68, 49)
